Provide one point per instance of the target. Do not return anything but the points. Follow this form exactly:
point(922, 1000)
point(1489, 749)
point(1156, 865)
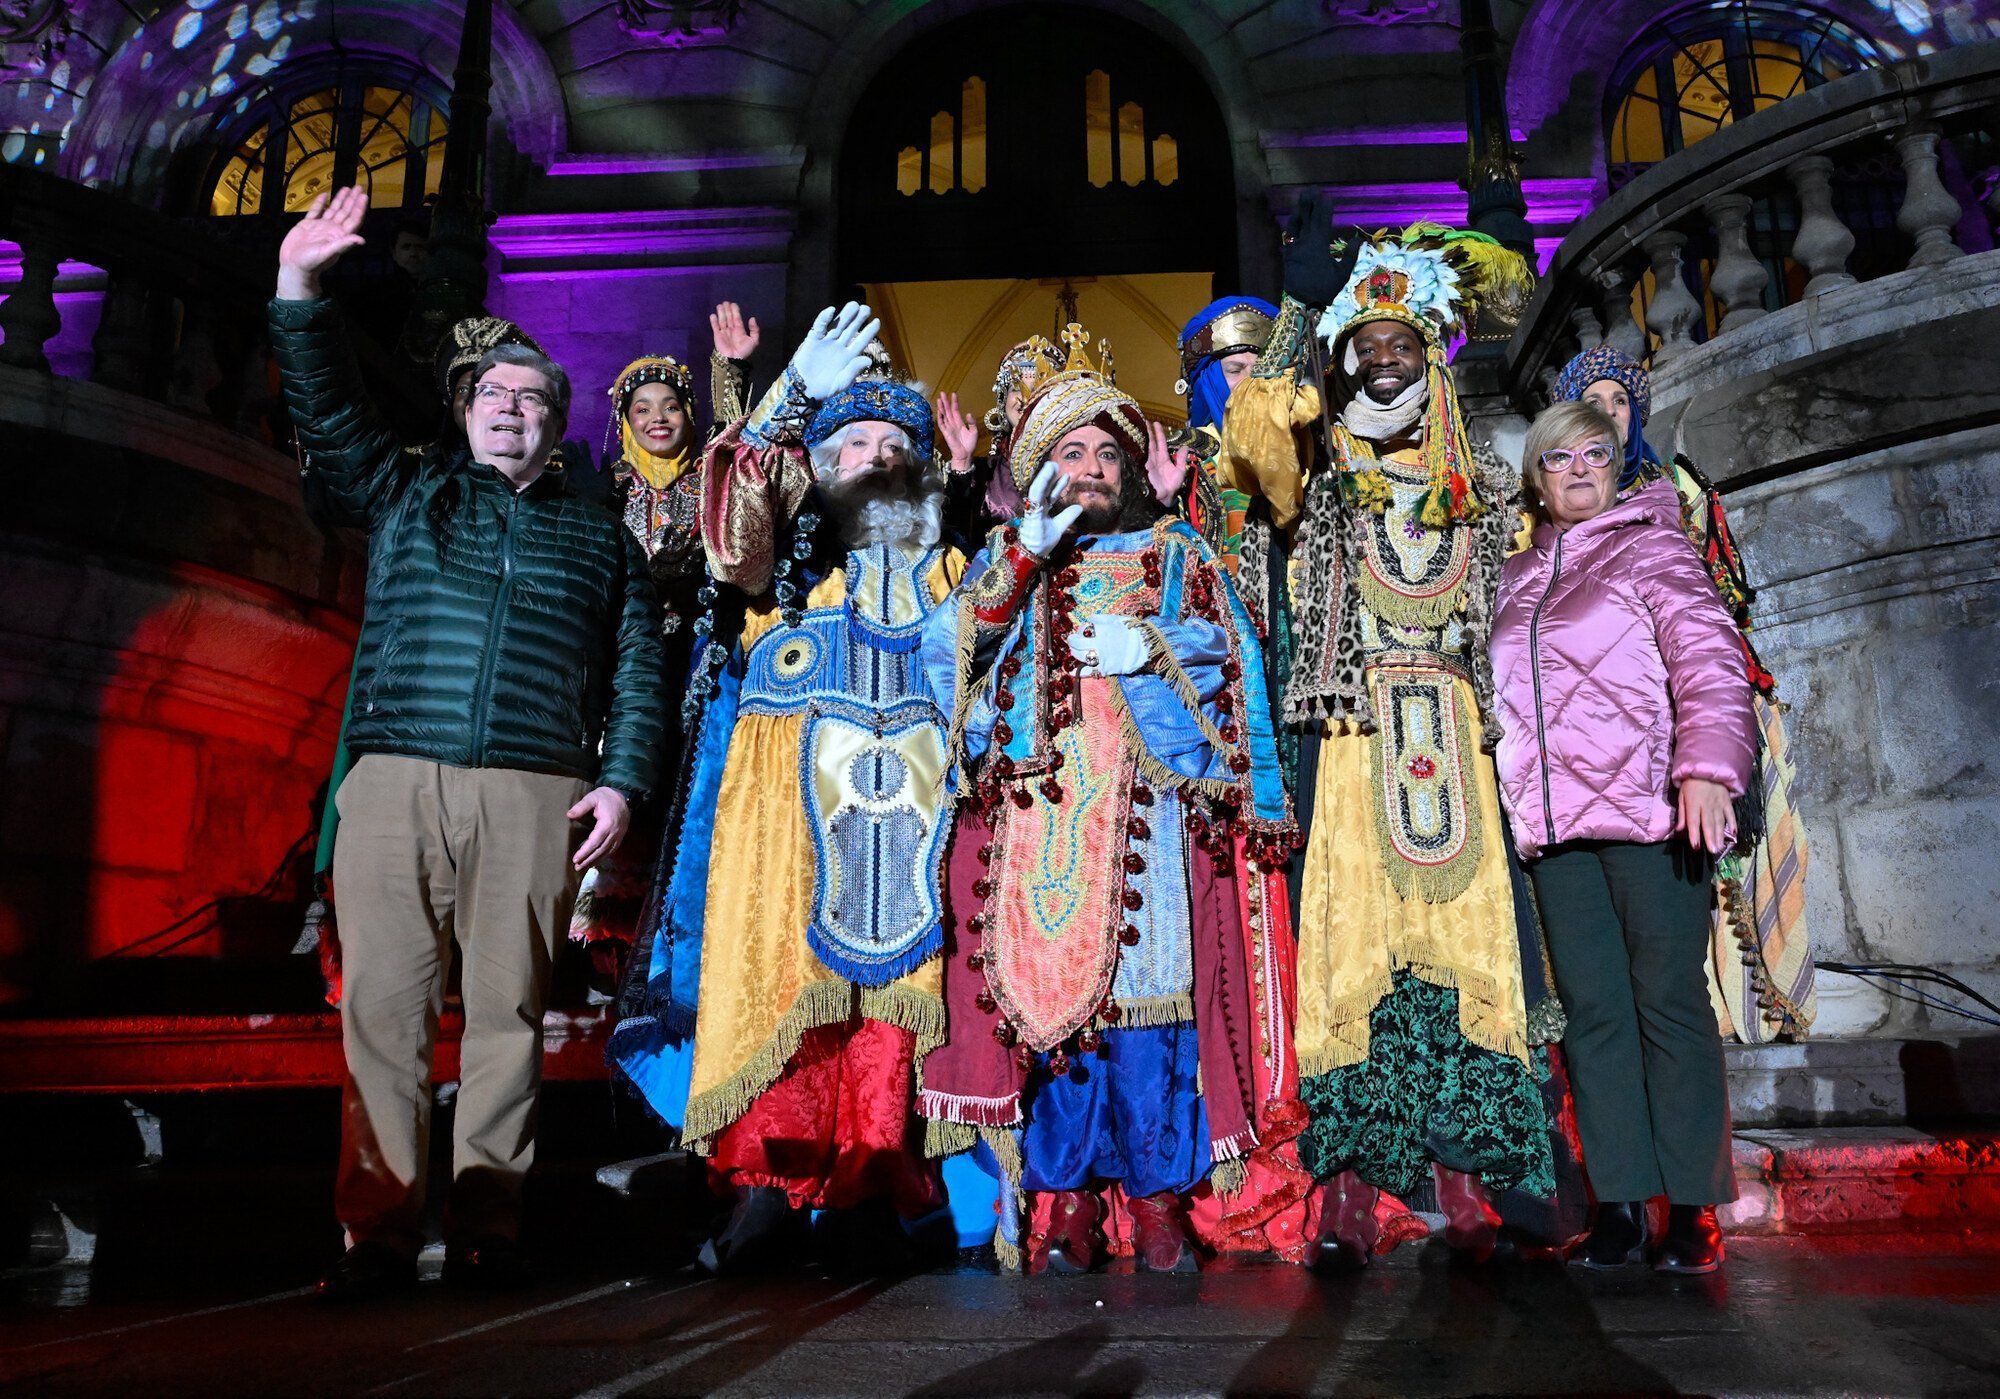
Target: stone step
point(1864, 1082)
point(1856, 1180)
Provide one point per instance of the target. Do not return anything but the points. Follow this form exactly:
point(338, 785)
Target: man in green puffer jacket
point(509, 682)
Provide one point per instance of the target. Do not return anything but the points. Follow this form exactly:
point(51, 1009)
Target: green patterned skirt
point(1425, 1093)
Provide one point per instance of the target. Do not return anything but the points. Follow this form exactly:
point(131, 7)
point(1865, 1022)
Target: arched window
point(1704, 66)
point(1036, 140)
point(378, 124)
point(1700, 67)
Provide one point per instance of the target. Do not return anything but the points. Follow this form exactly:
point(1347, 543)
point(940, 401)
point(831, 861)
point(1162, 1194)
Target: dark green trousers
point(1628, 936)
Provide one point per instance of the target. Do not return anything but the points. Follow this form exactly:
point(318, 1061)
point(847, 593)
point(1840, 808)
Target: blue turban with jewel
point(1604, 362)
point(876, 401)
point(1231, 326)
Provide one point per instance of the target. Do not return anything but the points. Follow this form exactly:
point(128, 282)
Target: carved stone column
point(1929, 213)
point(1738, 278)
point(1823, 242)
point(1673, 309)
point(29, 316)
point(1623, 332)
point(1589, 330)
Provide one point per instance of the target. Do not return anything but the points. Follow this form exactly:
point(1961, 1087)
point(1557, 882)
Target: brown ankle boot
point(1348, 1230)
point(1161, 1239)
point(1471, 1226)
point(1074, 1242)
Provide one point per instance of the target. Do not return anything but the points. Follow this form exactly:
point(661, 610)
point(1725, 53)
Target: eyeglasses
point(1596, 456)
point(526, 400)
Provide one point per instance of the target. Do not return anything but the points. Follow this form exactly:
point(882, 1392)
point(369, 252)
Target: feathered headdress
point(1433, 279)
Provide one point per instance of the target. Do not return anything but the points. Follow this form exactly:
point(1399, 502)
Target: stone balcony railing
point(1850, 411)
point(1695, 236)
point(179, 309)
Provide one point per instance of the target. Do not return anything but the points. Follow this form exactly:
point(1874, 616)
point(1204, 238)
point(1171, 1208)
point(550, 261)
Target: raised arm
point(757, 474)
point(356, 464)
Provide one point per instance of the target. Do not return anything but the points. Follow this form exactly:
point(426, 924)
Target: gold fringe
point(967, 650)
point(942, 1138)
point(1178, 681)
point(1156, 772)
point(1006, 1148)
point(827, 1002)
point(1404, 610)
point(1229, 1177)
point(1150, 1012)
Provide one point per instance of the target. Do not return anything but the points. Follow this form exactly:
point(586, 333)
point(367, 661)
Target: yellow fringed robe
point(761, 986)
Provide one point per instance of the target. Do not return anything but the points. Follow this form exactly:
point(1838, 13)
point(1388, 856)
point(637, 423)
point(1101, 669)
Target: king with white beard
point(792, 973)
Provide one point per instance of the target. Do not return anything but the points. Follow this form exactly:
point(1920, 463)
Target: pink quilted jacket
point(1618, 675)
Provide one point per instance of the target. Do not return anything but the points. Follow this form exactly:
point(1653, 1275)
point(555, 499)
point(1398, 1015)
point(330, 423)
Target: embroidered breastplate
point(871, 764)
point(1411, 578)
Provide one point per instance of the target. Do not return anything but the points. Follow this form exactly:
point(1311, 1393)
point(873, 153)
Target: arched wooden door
point(1036, 140)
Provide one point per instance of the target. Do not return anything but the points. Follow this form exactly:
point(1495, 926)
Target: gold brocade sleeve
point(748, 494)
point(1265, 442)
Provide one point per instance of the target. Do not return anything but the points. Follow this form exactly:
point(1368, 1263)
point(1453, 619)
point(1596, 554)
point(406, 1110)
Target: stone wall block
point(1924, 883)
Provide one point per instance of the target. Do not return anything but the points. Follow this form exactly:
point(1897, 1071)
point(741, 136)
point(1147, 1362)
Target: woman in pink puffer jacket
point(1628, 729)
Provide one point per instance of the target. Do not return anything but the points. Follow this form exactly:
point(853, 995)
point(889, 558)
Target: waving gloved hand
point(830, 357)
point(1108, 644)
point(1040, 532)
point(1318, 259)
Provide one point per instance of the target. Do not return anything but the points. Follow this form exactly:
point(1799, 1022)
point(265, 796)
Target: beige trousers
point(428, 853)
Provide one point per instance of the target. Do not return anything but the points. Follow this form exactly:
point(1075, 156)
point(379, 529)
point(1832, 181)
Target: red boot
point(1348, 1229)
point(1471, 1226)
point(1161, 1240)
point(1074, 1242)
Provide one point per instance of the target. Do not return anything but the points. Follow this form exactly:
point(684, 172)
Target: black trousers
point(1628, 932)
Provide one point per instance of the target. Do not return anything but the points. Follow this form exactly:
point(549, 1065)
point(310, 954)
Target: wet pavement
point(1890, 1316)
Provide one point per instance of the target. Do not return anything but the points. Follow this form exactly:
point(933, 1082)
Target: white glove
point(1108, 644)
point(830, 357)
point(1040, 532)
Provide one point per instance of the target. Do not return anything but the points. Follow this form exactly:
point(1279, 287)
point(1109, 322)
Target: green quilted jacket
point(503, 629)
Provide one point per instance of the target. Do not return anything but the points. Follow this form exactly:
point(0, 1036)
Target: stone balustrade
point(1718, 236)
point(179, 311)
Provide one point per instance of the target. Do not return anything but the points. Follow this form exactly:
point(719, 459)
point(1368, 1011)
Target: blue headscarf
point(1207, 389)
point(876, 401)
point(1603, 362)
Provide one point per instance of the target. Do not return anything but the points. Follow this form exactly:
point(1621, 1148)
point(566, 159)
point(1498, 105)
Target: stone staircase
point(1858, 1137)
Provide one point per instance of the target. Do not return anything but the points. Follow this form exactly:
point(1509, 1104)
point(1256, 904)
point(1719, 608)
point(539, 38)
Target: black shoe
point(865, 1241)
point(1617, 1235)
point(366, 1272)
point(1693, 1243)
point(494, 1262)
point(763, 1230)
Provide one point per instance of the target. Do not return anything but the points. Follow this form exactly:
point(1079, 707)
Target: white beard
point(871, 512)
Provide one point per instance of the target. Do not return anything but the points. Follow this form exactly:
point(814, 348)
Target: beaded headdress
point(1432, 279)
point(1071, 392)
point(1019, 370)
point(653, 369)
point(877, 401)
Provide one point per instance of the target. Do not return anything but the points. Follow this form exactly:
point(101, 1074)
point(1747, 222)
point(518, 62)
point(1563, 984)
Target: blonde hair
point(1561, 425)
